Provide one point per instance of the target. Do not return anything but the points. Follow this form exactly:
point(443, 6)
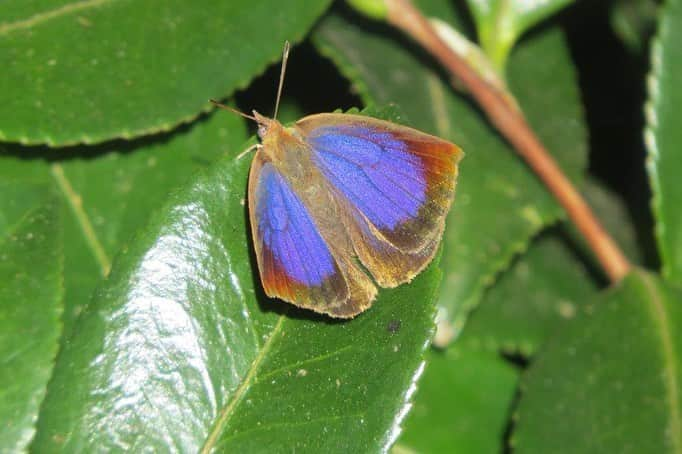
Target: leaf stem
point(513, 126)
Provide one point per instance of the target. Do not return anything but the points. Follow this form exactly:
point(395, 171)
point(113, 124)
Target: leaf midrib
point(238, 395)
point(83, 220)
point(46, 16)
point(439, 107)
point(670, 373)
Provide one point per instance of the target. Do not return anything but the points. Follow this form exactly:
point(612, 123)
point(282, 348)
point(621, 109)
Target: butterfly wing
point(295, 261)
point(396, 184)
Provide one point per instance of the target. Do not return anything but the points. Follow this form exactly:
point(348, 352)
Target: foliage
point(131, 312)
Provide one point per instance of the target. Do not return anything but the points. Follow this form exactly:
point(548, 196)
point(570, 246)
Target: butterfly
point(337, 198)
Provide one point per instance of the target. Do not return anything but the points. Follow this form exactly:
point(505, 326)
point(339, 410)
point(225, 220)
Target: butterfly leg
point(255, 146)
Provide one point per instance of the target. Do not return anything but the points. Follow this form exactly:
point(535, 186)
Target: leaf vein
point(440, 110)
point(304, 362)
point(45, 16)
point(75, 201)
point(249, 378)
point(14, 227)
point(290, 424)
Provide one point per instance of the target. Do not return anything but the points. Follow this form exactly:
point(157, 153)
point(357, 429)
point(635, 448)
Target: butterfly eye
point(262, 130)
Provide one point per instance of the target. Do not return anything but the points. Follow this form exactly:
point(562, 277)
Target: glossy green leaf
point(549, 284)
point(499, 204)
point(664, 138)
point(180, 350)
point(90, 71)
point(501, 22)
point(110, 192)
point(543, 288)
point(462, 404)
point(31, 265)
point(610, 381)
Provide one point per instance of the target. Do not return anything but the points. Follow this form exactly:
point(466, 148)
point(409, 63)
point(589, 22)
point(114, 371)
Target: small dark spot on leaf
point(393, 326)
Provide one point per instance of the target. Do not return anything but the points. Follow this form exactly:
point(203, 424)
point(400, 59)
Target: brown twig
point(511, 123)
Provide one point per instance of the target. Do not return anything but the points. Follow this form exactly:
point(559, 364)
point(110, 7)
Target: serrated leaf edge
point(486, 280)
point(41, 138)
point(650, 132)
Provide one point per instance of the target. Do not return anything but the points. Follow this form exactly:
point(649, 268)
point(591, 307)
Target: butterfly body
point(336, 198)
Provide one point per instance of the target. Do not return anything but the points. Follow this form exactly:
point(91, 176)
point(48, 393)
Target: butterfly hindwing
point(396, 184)
point(389, 265)
point(295, 261)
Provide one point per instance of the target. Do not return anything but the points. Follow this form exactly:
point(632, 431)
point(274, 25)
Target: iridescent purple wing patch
point(373, 170)
point(289, 233)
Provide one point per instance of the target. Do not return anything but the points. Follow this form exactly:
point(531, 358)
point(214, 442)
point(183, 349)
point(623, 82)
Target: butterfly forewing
point(395, 183)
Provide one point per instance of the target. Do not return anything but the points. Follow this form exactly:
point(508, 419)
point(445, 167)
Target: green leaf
point(549, 284)
point(545, 287)
point(376, 9)
point(180, 350)
point(89, 71)
point(609, 382)
point(31, 265)
point(664, 139)
point(500, 204)
point(634, 21)
point(462, 403)
point(501, 22)
point(110, 191)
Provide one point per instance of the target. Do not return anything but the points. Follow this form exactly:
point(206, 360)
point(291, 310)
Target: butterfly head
point(266, 125)
point(273, 136)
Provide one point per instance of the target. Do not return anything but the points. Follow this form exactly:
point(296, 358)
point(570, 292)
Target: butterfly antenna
point(233, 110)
point(285, 57)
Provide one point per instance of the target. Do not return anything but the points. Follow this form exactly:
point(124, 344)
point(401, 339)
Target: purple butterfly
point(337, 189)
